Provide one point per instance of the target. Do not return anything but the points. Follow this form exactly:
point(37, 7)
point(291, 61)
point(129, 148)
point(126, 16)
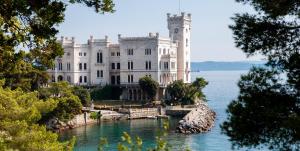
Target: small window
point(147, 51)
point(60, 66)
point(112, 53)
point(118, 65)
point(166, 65)
point(85, 66)
point(101, 73)
point(187, 42)
point(80, 66)
point(130, 52)
point(80, 79)
point(176, 30)
point(113, 66)
point(99, 57)
point(85, 79)
point(130, 65)
point(84, 54)
point(68, 66)
point(69, 79)
point(173, 65)
point(160, 65)
point(98, 73)
point(80, 53)
point(118, 53)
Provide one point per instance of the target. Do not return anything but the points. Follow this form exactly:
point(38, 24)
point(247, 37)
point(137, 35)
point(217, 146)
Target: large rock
point(199, 120)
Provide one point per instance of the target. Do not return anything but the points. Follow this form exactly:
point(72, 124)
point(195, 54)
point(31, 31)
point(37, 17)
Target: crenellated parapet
point(175, 19)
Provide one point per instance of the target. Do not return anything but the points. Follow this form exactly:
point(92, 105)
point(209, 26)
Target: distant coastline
point(224, 66)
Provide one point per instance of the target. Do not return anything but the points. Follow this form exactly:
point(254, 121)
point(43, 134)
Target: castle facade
point(101, 62)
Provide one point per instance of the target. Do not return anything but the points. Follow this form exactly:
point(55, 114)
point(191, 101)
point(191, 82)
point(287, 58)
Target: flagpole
point(179, 6)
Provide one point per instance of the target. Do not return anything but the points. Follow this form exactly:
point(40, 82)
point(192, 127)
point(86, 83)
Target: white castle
point(101, 62)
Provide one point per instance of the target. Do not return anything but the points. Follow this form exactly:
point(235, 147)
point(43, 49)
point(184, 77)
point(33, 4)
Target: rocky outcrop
point(55, 124)
point(199, 120)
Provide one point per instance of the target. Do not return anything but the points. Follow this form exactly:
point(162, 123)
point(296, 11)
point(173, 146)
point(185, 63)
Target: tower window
point(187, 42)
point(147, 51)
point(176, 30)
point(173, 65)
point(130, 52)
point(99, 57)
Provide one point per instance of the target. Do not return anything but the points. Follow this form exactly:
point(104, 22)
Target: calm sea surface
point(222, 89)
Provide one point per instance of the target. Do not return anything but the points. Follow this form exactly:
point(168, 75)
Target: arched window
point(60, 78)
point(164, 51)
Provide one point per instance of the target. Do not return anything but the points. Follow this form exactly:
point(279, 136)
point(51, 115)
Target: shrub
point(149, 86)
point(108, 92)
point(184, 93)
point(83, 95)
point(69, 104)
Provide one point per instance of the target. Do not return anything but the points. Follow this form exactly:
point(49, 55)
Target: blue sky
point(211, 38)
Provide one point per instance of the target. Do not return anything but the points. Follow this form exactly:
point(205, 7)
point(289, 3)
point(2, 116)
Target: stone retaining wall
point(143, 113)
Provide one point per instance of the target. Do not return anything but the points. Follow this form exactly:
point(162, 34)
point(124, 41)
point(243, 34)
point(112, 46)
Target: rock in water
point(199, 120)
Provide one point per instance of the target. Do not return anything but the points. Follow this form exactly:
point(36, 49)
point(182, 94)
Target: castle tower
point(179, 31)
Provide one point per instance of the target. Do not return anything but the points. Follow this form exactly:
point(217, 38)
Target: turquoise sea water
point(222, 89)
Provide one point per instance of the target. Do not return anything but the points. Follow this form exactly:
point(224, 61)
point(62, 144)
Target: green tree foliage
point(28, 48)
point(19, 113)
point(69, 103)
point(184, 93)
point(28, 44)
point(149, 86)
point(176, 90)
point(267, 109)
point(83, 94)
point(107, 92)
